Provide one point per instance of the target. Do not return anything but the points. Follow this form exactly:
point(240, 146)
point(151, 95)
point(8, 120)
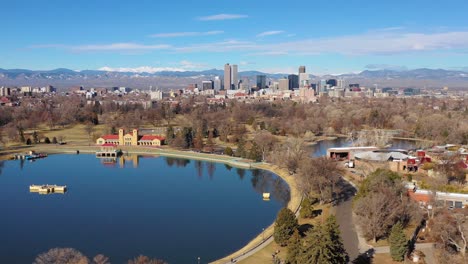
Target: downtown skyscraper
point(231, 77)
point(227, 76)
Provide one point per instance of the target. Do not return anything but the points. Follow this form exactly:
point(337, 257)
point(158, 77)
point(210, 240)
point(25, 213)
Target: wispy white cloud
point(185, 64)
point(243, 63)
point(119, 47)
point(186, 34)
point(368, 43)
point(270, 33)
point(222, 46)
point(221, 17)
point(270, 53)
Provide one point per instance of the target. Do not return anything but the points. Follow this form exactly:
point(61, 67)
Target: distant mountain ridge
point(13, 73)
point(63, 77)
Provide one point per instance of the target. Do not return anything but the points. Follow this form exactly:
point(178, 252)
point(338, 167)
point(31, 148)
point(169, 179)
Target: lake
point(172, 209)
point(320, 148)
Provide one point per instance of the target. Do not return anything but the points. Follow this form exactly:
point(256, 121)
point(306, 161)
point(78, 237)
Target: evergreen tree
point(240, 151)
point(285, 225)
point(170, 135)
point(228, 151)
point(54, 140)
point(254, 153)
point(47, 140)
point(307, 210)
point(398, 242)
point(294, 248)
point(21, 134)
point(333, 231)
point(35, 137)
point(323, 244)
point(28, 141)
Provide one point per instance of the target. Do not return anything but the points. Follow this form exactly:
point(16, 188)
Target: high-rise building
point(234, 77)
point(293, 81)
point(227, 77)
point(217, 83)
point(302, 69)
point(261, 81)
point(207, 85)
point(304, 79)
point(283, 84)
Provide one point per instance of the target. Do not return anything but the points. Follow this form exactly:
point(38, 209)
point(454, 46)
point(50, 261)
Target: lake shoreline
point(255, 243)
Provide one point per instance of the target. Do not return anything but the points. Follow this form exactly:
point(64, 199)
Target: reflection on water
point(320, 149)
point(267, 182)
point(163, 198)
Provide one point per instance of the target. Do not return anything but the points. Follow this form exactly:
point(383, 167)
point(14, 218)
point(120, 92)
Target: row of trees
point(73, 256)
point(440, 120)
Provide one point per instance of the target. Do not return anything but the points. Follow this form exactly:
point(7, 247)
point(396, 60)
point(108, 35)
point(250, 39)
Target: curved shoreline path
point(257, 243)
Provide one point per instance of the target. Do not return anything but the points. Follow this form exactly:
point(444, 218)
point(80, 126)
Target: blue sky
point(272, 36)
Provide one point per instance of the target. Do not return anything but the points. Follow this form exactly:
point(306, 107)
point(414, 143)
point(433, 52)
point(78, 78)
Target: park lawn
point(73, 134)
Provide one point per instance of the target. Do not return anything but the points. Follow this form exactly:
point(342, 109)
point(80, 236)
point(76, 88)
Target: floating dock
point(46, 189)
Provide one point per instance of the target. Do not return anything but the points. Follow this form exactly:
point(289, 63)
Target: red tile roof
point(108, 137)
point(108, 145)
point(151, 138)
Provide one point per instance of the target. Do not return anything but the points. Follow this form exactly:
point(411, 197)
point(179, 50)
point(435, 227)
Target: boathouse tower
point(135, 137)
point(121, 137)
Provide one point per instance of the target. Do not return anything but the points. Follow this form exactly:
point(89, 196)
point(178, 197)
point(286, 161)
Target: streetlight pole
point(198, 260)
point(263, 233)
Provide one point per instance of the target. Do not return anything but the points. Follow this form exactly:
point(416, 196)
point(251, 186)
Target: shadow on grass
point(364, 258)
point(304, 228)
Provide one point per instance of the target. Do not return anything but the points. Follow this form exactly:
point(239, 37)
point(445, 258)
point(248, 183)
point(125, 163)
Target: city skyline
point(336, 37)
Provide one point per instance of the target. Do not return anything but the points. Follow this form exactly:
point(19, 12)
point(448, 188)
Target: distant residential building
point(332, 82)
point(353, 86)
point(302, 69)
point(340, 83)
point(307, 95)
point(207, 85)
point(234, 77)
point(283, 84)
point(227, 77)
point(5, 91)
point(156, 95)
point(261, 81)
point(293, 81)
point(124, 89)
point(411, 91)
point(26, 89)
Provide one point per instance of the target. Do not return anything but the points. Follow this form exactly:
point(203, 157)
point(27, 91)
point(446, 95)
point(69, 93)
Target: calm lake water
point(320, 149)
point(172, 209)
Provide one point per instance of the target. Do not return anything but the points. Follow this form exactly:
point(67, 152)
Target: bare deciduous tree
point(60, 256)
point(265, 141)
point(318, 175)
point(451, 232)
point(145, 260)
